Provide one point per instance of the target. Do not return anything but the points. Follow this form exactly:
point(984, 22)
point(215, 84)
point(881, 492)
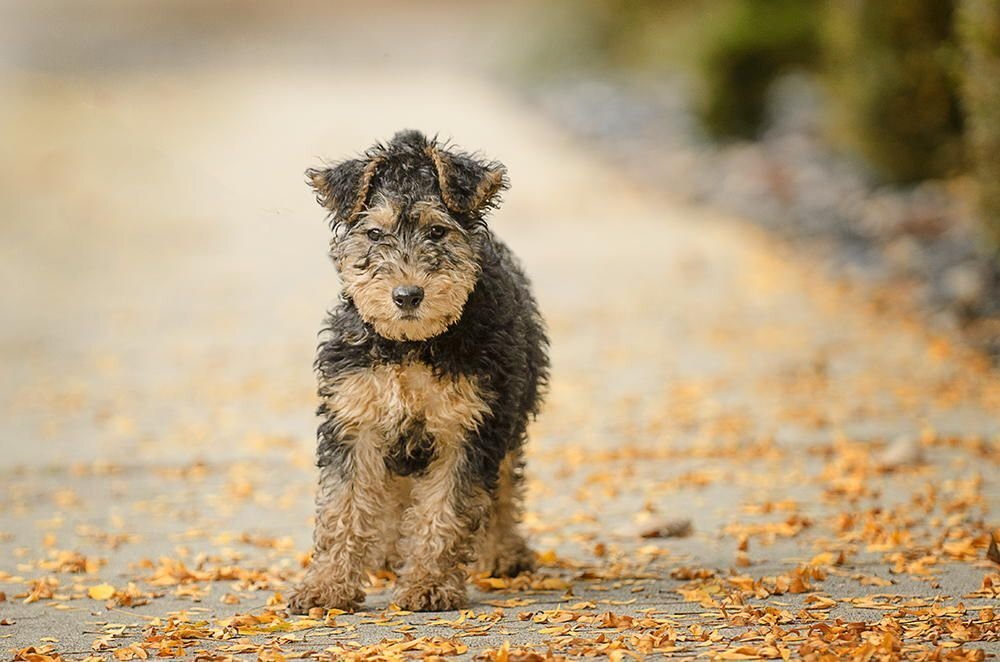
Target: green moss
point(754, 42)
point(893, 68)
point(644, 36)
point(979, 25)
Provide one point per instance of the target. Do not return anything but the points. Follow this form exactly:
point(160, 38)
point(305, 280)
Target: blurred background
point(868, 129)
point(160, 250)
point(158, 243)
point(764, 235)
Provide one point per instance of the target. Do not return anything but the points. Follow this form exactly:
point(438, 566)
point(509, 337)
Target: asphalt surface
point(165, 276)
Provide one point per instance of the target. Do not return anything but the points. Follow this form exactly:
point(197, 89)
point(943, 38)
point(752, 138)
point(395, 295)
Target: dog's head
point(409, 231)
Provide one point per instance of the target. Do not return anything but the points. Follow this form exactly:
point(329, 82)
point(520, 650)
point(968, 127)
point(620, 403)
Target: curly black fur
point(405, 166)
point(499, 340)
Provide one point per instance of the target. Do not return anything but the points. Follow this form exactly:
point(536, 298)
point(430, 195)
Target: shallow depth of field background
point(869, 126)
point(764, 235)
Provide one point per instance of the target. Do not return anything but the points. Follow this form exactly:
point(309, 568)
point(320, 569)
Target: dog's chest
point(413, 395)
point(411, 412)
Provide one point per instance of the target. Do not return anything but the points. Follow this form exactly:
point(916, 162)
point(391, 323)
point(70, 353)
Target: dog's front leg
point(448, 506)
point(352, 500)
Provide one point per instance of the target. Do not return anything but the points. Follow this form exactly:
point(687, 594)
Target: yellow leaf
point(548, 557)
point(576, 606)
point(101, 591)
point(825, 558)
point(556, 629)
point(742, 653)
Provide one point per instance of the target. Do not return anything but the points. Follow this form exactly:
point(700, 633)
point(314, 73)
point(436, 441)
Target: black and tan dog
point(429, 371)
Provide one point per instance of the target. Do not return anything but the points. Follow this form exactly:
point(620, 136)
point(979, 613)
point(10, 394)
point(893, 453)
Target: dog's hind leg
point(502, 550)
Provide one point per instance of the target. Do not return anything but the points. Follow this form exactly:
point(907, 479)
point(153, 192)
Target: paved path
point(164, 277)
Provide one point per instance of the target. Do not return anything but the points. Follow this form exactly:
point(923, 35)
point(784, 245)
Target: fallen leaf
point(993, 553)
point(904, 452)
point(670, 528)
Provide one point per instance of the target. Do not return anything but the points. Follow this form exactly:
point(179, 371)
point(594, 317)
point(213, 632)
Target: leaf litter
point(669, 522)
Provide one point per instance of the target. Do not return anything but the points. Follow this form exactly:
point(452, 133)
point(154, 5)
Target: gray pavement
point(164, 278)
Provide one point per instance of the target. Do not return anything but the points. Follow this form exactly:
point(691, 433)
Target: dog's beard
point(445, 295)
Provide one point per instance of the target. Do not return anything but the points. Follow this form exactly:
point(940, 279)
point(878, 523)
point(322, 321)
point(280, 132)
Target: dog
point(429, 371)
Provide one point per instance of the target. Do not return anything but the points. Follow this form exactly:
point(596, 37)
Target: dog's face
point(408, 266)
point(408, 231)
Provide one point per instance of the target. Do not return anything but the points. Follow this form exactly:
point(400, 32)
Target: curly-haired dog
point(431, 367)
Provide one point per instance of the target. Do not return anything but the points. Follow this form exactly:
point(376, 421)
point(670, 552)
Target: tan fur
point(437, 514)
point(491, 182)
point(383, 213)
point(445, 291)
point(388, 398)
point(487, 187)
point(366, 181)
point(445, 294)
point(442, 171)
point(430, 213)
point(348, 516)
point(502, 551)
point(438, 535)
point(390, 553)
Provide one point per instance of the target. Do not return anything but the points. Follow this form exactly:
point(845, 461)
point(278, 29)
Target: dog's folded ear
point(468, 185)
point(343, 188)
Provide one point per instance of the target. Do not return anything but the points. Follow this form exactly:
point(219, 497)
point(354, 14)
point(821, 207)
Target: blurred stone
point(669, 528)
point(903, 452)
point(905, 254)
point(965, 284)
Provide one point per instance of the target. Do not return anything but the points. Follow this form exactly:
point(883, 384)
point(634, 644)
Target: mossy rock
point(753, 43)
point(979, 26)
point(894, 67)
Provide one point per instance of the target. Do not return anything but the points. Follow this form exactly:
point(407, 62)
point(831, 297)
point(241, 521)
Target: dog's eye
point(437, 232)
point(374, 234)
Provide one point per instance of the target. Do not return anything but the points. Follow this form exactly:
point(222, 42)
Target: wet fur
point(423, 420)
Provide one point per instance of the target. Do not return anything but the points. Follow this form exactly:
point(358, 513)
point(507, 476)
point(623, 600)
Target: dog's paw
point(512, 565)
point(510, 560)
point(430, 597)
point(306, 596)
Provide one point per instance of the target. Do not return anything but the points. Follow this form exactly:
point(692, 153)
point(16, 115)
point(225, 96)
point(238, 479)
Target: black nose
point(408, 297)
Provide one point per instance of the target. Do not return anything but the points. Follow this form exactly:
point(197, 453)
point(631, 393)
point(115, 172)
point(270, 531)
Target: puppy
point(429, 371)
